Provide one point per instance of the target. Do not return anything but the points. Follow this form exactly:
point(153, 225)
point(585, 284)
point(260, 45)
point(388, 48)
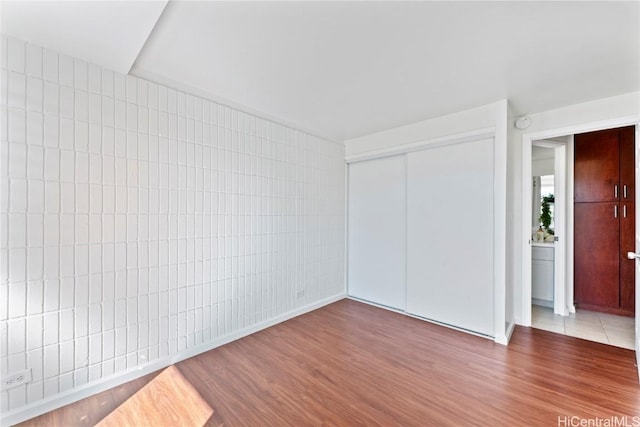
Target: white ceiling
point(107, 33)
point(345, 69)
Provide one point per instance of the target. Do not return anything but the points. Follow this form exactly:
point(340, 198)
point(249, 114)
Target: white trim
point(527, 207)
point(571, 308)
point(375, 304)
point(511, 327)
point(527, 139)
point(406, 227)
point(559, 253)
point(637, 248)
point(54, 402)
point(582, 128)
point(346, 229)
point(423, 144)
point(500, 226)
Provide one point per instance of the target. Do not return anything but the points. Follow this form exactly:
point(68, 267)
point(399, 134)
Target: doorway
point(549, 234)
point(601, 327)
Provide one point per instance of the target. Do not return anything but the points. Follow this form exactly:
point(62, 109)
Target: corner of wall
point(140, 223)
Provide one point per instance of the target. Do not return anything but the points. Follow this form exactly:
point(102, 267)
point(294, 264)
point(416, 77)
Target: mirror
point(542, 194)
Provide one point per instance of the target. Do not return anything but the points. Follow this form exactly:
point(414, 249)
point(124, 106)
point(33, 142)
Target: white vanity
point(542, 274)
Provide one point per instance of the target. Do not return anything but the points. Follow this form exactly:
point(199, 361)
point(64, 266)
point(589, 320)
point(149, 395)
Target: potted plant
point(545, 212)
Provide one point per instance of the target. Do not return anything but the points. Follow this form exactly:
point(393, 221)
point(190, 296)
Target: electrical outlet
point(16, 379)
point(300, 294)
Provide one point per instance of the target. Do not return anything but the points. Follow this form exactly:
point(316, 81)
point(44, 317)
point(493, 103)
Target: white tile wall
point(139, 221)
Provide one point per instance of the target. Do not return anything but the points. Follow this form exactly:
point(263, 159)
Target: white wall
point(141, 225)
point(595, 114)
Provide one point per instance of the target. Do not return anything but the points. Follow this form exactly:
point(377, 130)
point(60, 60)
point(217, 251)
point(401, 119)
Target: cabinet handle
point(624, 211)
point(624, 191)
point(615, 211)
point(615, 191)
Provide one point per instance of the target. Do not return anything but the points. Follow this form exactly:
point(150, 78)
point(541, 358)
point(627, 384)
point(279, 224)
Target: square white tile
point(589, 325)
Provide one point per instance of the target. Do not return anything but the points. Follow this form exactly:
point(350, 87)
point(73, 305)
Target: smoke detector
point(523, 122)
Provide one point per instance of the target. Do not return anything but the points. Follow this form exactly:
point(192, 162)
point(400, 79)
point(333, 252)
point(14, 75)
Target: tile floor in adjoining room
point(589, 325)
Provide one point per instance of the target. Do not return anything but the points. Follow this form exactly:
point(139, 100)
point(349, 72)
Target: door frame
point(637, 248)
point(562, 232)
point(526, 177)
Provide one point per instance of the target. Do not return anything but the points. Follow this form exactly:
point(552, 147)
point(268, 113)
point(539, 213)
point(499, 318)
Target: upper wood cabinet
point(597, 166)
point(604, 165)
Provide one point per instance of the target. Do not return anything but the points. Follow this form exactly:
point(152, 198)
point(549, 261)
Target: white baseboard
point(510, 329)
point(498, 340)
point(542, 302)
point(79, 393)
point(386, 307)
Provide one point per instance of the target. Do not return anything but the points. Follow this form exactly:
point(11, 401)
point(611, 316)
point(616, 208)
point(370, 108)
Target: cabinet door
point(542, 279)
point(450, 235)
point(596, 168)
point(597, 254)
point(377, 231)
point(627, 162)
point(627, 266)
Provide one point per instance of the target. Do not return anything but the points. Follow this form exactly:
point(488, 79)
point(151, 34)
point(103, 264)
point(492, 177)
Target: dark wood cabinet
point(597, 255)
point(597, 167)
point(627, 164)
point(604, 220)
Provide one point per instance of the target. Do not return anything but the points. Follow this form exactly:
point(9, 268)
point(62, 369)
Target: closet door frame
point(503, 324)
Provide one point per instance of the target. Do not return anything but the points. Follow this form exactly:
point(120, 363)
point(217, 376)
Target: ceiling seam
point(146, 40)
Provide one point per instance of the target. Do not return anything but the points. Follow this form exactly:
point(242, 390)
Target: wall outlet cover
point(16, 379)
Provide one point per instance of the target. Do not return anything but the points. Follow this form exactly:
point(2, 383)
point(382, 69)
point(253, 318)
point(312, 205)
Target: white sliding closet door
point(450, 235)
point(377, 231)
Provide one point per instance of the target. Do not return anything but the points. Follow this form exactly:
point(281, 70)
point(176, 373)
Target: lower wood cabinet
point(597, 255)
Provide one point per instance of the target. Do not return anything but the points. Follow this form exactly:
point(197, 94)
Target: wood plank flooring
point(168, 387)
point(352, 364)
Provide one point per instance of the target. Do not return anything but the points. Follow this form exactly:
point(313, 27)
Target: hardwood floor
point(353, 364)
point(168, 387)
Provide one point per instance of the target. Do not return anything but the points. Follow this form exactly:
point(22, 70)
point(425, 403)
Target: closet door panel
point(450, 235)
point(377, 231)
